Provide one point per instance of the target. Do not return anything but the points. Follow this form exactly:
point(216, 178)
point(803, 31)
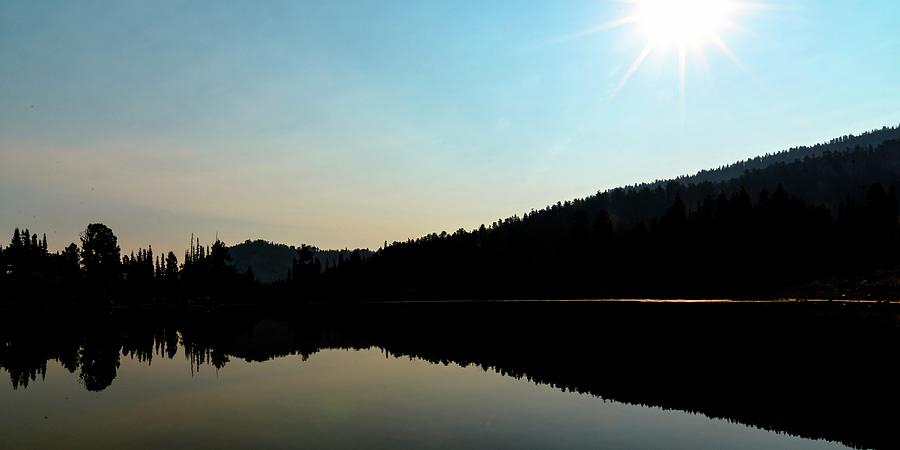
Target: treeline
point(96, 273)
point(760, 234)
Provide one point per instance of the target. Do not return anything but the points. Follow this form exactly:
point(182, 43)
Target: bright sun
point(679, 27)
point(682, 23)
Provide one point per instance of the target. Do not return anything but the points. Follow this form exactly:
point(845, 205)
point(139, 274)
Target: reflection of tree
point(99, 363)
point(800, 368)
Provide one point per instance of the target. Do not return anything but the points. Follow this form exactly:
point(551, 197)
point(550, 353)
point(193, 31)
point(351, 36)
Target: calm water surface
point(342, 399)
point(616, 375)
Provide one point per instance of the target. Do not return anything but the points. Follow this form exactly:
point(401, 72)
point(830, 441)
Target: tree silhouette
point(100, 256)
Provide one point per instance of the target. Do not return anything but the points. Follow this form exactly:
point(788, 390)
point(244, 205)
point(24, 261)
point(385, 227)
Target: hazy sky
point(348, 123)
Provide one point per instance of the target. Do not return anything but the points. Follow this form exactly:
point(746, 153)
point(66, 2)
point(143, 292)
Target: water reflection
point(817, 371)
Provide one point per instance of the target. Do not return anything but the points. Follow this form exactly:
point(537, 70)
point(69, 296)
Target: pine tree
point(16, 239)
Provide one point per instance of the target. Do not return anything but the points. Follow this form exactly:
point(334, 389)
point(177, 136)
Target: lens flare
point(679, 27)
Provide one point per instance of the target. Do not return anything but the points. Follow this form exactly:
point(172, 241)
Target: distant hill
point(270, 261)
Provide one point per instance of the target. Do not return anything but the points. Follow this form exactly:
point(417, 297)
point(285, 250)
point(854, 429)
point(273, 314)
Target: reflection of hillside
point(820, 371)
point(266, 340)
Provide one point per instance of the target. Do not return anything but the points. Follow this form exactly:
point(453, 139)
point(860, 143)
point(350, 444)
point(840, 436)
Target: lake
point(451, 376)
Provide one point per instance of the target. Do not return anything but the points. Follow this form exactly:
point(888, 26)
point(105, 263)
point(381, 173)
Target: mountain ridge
point(733, 170)
point(271, 261)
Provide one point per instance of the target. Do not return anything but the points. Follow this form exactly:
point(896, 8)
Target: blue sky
point(348, 123)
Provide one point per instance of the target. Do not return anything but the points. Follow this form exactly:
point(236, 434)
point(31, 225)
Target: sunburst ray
point(681, 25)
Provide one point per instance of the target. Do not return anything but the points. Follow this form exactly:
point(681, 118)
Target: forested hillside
point(840, 144)
point(753, 235)
point(828, 214)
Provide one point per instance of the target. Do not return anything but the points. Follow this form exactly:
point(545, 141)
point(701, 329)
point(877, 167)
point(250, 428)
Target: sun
point(678, 27)
point(683, 23)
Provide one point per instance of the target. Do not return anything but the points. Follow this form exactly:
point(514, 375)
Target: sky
point(346, 124)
